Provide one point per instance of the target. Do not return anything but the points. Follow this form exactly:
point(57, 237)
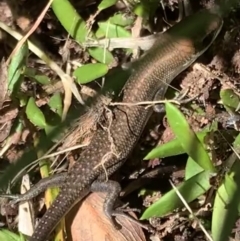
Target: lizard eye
point(207, 40)
point(213, 30)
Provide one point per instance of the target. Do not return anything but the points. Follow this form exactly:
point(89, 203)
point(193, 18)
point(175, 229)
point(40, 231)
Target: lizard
point(172, 53)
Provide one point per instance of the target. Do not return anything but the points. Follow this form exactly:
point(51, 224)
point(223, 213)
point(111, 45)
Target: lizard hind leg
point(113, 189)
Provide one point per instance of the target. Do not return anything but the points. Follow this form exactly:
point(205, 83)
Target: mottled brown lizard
point(172, 53)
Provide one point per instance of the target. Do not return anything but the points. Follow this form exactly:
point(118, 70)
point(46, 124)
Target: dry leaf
point(26, 223)
point(5, 130)
point(89, 223)
point(3, 82)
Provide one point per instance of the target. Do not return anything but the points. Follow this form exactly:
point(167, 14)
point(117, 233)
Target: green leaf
point(225, 209)
point(220, 215)
point(30, 72)
point(42, 79)
point(90, 72)
point(189, 189)
point(188, 138)
point(55, 103)
point(34, 114)
point(192, 169)
point(70, 19)
point(236, 143)
point(101, 55)
point(229, 98)
point(22, 238)
point(172, 148)
point(226, 206)
point(121, 20)
point(106, 4)
point(76, 27)
point(141, 10)
point(146, 8)
point(16, 68)
point(23, 99)
point(9, 236)
point(110, 30)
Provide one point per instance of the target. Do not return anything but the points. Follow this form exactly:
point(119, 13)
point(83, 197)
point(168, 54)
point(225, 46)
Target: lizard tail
point(53, 216)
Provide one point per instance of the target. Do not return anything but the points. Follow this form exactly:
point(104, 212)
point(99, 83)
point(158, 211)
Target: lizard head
point(200, 30)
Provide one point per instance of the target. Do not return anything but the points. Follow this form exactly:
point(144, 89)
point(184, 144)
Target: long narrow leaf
point(188, 138)
point(190, 190)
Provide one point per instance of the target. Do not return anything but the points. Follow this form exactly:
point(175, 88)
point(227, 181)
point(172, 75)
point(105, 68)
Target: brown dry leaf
point(5, 130)
point(8, 115)
point(24, 23)
point(16, 137)
point(26, 216)
point(89, 223)
point(3, 82)
point(6, 13)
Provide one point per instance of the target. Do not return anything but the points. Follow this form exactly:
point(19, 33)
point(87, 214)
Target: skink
point(172, 53)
